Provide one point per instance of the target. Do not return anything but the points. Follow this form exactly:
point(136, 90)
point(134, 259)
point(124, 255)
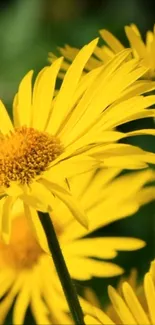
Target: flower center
point(25, 154)
point(23, 250)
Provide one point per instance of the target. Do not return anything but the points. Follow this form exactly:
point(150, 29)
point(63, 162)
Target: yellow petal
point(120, 307)
point(137, 88)
point(91, 320)
point(110, 246)
point(22, 302)
point(103, 53)
point(9, 298)
point(117, 212)
point(132, 109)
point(53, 292)
point(91, 296)
point(89, 248)
point(74, 206)
point(39, 309)
point(24, 109)
point(53, 302)
point(95, 190)
point(67, 90)
point(70, 167)
point(101, 316)
point(6, 124)
point(38, 196)
point(138, 179)
point(150, 295)
point(6, 281)
point(36, 88)
point(135, 29)
point(96, 313)
point(134, 305)
point(5, 307)
point(37, 227)
point(85, 116)
point(95, 135)
point(14, 189)
point(85, 268)
point(69, 52)
point(124, 155)
point(111, 40)
point(141, 132)
point(83, 85)
point(6, 217)
point(135, 41)
point(146, 195)
point(15, 111)
point(44, 94)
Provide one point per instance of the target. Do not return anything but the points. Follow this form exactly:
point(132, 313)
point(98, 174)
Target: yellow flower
point(27, 273)
point(141, 50)
point(131, 307)
point(58, 135)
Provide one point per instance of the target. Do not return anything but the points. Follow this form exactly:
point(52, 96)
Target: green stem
point(61, 268)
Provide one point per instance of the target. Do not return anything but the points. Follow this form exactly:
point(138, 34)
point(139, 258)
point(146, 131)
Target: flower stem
point(61, 268)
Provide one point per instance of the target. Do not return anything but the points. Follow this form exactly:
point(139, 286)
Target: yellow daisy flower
point(57, 135)
point(130, 307)
point(26, 270)
point(140, 49)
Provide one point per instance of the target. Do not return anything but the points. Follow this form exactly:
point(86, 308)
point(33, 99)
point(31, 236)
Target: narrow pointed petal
point(6, 206)
point(120, 307)
point(111, 40)
point(6, 124)
point(68, 87)
point(150, 295)
point(23, 105)
point(22, 302)
point(45, 88)
point(35, 223)
point(134, 305)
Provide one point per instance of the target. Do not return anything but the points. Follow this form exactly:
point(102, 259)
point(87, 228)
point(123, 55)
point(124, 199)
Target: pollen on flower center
point(25, 154)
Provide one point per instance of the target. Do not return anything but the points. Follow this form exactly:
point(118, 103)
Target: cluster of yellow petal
point(83, 115)
point(26, 270)
point(133, 306)
point(144, 51)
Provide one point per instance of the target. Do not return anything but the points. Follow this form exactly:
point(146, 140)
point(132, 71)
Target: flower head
point(27, 273)
point(25, 154)
point(55, 136)
point(133, 306)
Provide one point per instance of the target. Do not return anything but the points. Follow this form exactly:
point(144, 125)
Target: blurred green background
point(29, 29)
